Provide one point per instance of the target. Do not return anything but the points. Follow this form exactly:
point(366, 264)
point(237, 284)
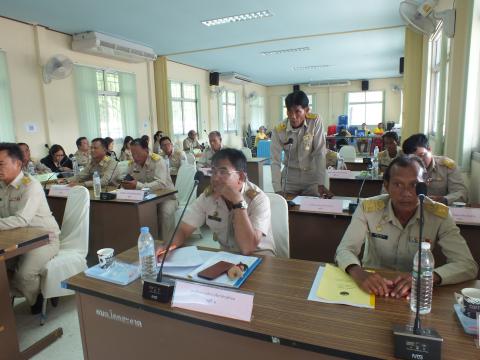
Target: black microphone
point(45, 190)
point(48, 147)
point(106, 195)
point(162, 290)
point(353, 206)
point(289, 143)
point(428, 342)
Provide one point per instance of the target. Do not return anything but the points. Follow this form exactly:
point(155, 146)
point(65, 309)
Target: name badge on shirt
point(379, 236)
point(214, 218)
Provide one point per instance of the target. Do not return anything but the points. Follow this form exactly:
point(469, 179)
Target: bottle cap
point(144, 229)
point(425, 245)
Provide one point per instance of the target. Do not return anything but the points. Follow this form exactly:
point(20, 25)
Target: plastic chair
point(184, 184)
point(247, 152)
point(348, 152)
point(122, 169)
point(263, 150)
point(191, 159)
point(71, 258)
point(279, 212)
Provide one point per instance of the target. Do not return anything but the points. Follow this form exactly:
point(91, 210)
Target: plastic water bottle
point(375, 163)
point(426, 280)
point(146, 254)
point(31, 168)
point(76, 169)
point(97, 185)
point(375, 152)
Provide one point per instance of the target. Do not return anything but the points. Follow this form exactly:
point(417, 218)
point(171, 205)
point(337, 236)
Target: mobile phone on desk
point(214, 271)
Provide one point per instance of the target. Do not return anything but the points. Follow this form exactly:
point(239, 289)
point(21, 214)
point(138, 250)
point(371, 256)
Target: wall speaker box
point(296, 87)
point(402, 59)
point(214, 78)
point(364, 85)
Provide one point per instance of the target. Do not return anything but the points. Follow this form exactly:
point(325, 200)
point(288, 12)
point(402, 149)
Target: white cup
point(469, 300)
point(106, 257)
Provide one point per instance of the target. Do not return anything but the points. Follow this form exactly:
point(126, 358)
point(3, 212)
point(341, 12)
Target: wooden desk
point(351, 187)
point(315, 236)
point(14, 243)
point(356, 165)
point(115, 223)
point(116, 322)
point(254, 173)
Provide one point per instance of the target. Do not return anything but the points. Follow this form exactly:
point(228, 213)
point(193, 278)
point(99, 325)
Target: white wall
point(52, 107)
point(330, 102)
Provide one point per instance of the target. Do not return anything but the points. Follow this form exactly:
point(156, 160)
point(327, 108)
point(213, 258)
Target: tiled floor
point(69, 346)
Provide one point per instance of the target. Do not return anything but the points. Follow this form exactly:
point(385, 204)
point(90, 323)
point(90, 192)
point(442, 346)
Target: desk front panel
point(351, 187)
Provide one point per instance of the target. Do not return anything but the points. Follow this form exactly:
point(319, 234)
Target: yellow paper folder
point(338, 287)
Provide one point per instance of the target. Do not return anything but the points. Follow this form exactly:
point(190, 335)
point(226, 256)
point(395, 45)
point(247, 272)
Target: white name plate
point(59, 190)
point(213, 300)
point(340, 174)
point(123, 194)
point(322, 205)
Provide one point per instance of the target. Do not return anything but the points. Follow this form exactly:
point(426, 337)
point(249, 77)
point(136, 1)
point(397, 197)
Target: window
point(229, 111)
point(257, 112)
point(7, 133)
point(311, 104)
point(434, 91)
point(184, 99)
point(108, 87)
point(365, 107)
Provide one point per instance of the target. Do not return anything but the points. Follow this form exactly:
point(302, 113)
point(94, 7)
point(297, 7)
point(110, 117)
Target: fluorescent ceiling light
point(235, 18)
point(311, 67)
point(285, 51)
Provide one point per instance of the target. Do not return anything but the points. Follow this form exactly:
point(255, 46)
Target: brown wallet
point(214, 271)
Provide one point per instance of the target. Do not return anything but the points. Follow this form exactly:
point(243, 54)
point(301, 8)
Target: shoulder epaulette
point(251, 193)
point(130, 162)
point(332, 155)
point(311, 116)
point(208, 191)
point(26, 180)
point(437, 209)
point(372, 205)
point(155, 157)
point(449, 163)
point(282, 126)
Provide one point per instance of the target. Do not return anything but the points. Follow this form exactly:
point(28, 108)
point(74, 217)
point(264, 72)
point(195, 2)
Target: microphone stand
point(105, 195)
point(417, 327)
point(162, 290)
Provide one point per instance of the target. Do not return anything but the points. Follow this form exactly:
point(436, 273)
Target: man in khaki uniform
point(150, 171)
point(173, 157)
point(445, 182)
point(237, 211)
point(38, 166)
point(215, 141)
point(23, 204)
point(83, 153)
point(392, 150)
point(191, 142)
point(306, 154)
point(105, 166)
point(388, 225)
point(331, 158)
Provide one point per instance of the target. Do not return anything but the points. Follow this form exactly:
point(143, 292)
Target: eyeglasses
point(223, 172)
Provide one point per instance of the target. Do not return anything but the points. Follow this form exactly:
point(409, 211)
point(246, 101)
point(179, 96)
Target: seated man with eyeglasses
point(445, 182)
point(237, 211)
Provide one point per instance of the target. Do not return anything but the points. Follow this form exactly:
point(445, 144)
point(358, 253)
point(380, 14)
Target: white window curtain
point(87, 101)
point(128, 103)
point(7, 132)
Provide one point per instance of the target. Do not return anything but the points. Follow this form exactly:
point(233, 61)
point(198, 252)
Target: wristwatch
point(241, 205)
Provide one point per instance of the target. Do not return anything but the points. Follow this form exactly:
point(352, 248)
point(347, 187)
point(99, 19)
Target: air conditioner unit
point(233, 77)
point(327, 83)
point(107, 46)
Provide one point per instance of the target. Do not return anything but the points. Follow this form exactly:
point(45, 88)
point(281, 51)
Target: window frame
point(224, 121)
point(182, 100)
point(109, 93)
point(348, 103)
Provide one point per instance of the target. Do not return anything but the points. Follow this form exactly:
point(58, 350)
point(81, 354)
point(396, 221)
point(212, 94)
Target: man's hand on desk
point(324, 192)
point(130, 185)
point(401, 285)
point(371, 283)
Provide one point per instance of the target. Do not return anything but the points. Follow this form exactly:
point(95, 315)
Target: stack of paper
point(335, 286)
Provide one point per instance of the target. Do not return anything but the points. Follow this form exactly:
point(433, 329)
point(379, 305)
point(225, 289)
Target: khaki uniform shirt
point(39, 167)
point(23, 204)
point(174, 161)
point(384, 158)
point(153, 174)
point(215, 213)
point(82, 158)
point(445, 179)
point(331, 158)
point(206, 159)
point(189, 144)
point(390, 245)
point(307, 154)
point(107, 169)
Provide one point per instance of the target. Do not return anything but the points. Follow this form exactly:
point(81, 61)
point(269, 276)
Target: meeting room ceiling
point(334, 39)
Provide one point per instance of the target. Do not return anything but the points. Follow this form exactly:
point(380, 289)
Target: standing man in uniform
point(83, 151)
point(38, 166)
point(305, 155)
point(445, 182)
point(104, 165)
point(191, 142)
point(215, 141)
point(390, 225)
point(173, 157)
point(237, 211)
point(150, 171)
point(23, 204)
